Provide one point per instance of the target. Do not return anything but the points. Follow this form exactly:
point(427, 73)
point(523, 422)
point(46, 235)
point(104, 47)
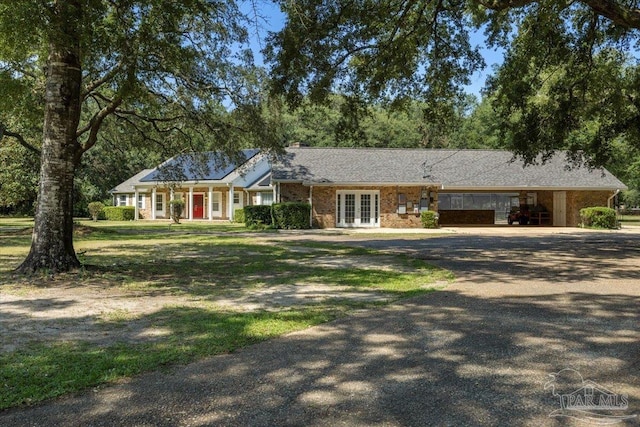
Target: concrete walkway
point(478, 353)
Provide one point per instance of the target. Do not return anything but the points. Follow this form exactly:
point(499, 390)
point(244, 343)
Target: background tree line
point(475, 125)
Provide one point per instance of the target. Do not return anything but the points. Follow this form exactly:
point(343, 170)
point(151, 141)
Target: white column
point(230, 207)
point(153, 203)
point(171, 197)
point(135, 204)
point(190, 210)
point(210, 203)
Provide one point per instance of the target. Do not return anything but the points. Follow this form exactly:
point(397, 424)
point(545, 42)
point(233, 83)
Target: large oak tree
point(567, 81)
point(160, 70)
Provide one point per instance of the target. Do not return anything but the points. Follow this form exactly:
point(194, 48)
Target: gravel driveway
point(477, 353)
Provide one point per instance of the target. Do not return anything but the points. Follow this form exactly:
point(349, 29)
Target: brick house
point(372, 187)
point(211, 185)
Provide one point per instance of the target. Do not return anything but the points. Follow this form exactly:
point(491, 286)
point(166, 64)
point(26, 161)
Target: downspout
point(612, 197)
point(311, 206)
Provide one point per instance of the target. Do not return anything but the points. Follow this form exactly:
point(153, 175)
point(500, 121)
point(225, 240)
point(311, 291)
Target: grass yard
point(630, 220)
point(152, 295)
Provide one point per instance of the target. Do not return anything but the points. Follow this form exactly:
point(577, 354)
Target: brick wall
point(577, 200)
point(324, 203)
point(293, 192)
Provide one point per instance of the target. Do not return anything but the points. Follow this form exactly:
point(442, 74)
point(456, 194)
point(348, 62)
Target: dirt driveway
point(479, 352)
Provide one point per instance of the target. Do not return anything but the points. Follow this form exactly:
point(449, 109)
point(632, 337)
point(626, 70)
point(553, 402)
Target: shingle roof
point(450, 168)
point(209, 166)
point(261, 182)
point(127, 186)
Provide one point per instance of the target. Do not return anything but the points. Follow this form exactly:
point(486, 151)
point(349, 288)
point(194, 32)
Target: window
point(122, 200)
point(140, 201)
point(215, 203)
point(266, 198)
point(236, 198)
point(498, 202)
point(159, 202)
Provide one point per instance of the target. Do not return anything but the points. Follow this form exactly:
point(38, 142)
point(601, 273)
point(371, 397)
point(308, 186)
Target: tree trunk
point(52, 241)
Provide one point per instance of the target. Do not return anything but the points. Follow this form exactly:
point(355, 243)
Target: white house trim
point(210, 204)
point(135, 204)
point(230, 203)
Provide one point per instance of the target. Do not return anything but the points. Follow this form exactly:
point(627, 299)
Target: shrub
point(291, 216)
point(238, 215)
point(95, 209)
point(119, 213)
point(598, 217)
point(177, 207)
point(257, 215)
point(429, 219)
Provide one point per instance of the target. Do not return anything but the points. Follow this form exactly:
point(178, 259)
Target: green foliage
point(119, 213)
point(631, 198)
point(177, 208)
point(429, 219)
point(18, 178)
point(96, 209)
point(373, 50)
point(238, 216)
point(598, 217)
point(291, 215)
point(257, 215)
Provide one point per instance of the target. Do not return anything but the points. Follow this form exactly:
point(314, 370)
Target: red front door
point(198, 206)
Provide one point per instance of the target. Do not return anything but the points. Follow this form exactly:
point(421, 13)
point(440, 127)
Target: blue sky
point(272, 19)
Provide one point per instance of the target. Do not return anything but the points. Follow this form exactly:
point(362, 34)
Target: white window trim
point(216, 213)
point(142, 201)
point(240, 203)
point(163, 202)
point(259, 200)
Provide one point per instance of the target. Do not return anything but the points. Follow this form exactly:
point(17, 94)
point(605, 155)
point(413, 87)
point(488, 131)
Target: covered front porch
point(200, 203)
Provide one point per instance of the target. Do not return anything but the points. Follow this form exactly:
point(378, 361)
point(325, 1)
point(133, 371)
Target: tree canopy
point(567, 65)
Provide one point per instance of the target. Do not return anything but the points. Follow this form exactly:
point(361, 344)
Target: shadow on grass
point(564, 258)
point(39, 372)
point(440, 359)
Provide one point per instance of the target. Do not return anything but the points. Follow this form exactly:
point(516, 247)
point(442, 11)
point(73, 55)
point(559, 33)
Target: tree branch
point(613, 10)
point(4, 131)
point(95, 84)
point(96, 122)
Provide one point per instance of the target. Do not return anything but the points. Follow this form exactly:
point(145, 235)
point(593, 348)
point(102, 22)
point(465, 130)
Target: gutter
point(311, 206)
point(612, 197)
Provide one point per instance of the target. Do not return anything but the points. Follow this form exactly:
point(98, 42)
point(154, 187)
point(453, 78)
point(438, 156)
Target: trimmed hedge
point(429, 219)
point(291, 215)
point(598, 217)
point(238, 215)
point(119, 213)
point(257, 215)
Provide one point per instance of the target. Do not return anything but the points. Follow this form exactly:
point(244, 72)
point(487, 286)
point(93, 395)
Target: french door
point(358, 208)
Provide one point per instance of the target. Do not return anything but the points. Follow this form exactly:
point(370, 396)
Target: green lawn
point(166, 292)
point(630, 220)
